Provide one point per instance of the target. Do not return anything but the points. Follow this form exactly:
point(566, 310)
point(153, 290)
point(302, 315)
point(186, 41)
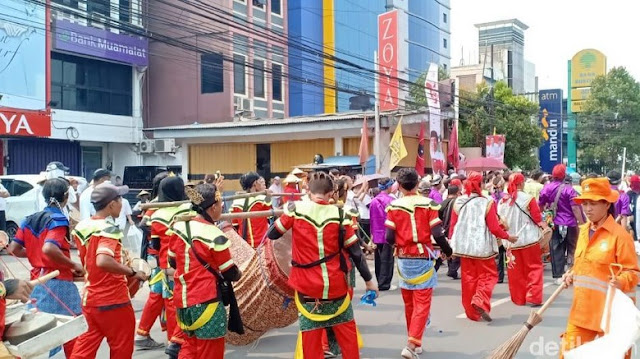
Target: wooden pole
point(241, 215)
point(155, 205)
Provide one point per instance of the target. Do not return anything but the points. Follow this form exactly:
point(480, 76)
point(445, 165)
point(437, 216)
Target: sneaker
point(484, 315)
point(173, 349)
point(147, 343)
point(328, 354)
point(409, 354)
point(393, 287)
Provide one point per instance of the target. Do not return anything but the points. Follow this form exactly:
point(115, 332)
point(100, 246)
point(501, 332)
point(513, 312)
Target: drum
point(545, 238)
point(74, 217)
point(264, 297)
point(4, 239)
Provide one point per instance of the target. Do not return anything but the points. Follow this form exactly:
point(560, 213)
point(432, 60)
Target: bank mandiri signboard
point(24, 123)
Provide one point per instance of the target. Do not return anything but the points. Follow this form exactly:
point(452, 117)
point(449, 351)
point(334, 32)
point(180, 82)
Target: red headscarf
point(559, 172)
point(473, 184)
point(515, 180)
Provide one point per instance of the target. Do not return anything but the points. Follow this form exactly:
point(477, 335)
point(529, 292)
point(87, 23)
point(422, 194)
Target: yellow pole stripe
point(328, 40)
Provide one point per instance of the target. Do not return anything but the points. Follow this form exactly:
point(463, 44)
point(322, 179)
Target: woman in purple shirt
point(384, 251)
point(565, 225)
point(622, 206)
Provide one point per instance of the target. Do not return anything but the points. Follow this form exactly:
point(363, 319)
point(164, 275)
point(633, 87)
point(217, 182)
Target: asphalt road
point(450, 334)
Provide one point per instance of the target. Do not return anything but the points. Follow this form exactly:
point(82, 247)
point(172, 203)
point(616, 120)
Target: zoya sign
point(25, 123)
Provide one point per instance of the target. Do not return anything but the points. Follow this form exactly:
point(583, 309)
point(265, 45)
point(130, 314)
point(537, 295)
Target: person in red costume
point(474, 223)
point(520, 212)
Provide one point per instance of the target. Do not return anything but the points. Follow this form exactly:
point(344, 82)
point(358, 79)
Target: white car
point(22, 203)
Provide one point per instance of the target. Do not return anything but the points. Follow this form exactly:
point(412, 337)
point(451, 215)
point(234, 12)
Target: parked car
point(22, 201)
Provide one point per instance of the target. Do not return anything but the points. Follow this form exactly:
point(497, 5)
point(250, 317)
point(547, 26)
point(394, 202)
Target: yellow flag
point(398, 150)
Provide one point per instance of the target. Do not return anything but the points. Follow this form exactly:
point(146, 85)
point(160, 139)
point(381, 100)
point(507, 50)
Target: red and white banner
point(438, 161)
point(25, 123)
point(388, 86)
point(495, 147)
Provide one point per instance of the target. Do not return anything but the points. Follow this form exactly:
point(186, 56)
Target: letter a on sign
point(388, 92)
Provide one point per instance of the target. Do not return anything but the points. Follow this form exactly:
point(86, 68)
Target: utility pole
point(376, 138)
point(624, 160)
point(491, 107)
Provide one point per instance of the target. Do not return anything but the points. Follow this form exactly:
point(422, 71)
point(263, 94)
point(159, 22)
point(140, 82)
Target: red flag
point(454, 149)
point(364, 144)
point(420, 157)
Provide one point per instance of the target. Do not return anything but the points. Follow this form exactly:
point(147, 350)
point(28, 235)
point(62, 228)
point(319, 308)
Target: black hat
point(106, 192)
point(248, 179)
point(101, 173)
point(57, 166)
point(614, 177)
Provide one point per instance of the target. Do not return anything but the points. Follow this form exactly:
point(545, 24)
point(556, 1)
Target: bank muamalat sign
point(100, 43)
point(24, 123)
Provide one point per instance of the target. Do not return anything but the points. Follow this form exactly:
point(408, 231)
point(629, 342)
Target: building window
point(258, 78)
point(239, 75)
point(444, 18)
point(276, 82)
point(81, 84)
point(444, 43)
point(259, 3)
point(99, 6)
point(211, 73)
point(125, 11)
point(275, 7)
point(68, 3)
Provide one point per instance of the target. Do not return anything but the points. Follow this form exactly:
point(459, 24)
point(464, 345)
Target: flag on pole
point(420, 157)
point(364, 143)
point(396, 146)
point(454, 149)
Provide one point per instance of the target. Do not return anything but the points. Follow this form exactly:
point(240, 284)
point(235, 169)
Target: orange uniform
point(595, 251)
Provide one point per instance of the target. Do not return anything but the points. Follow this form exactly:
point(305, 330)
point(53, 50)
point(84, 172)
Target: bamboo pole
point(240, 215)
point(156, 205)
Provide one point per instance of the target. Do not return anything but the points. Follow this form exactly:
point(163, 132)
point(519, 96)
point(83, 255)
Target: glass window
point(125, 10)
point(444, 18)
point(276, 85)
point(69, 3)
point(258, 78)
point(444, 43)
point(211, 73)
point(82, 84)
point(239, 74)
point(275, 7)
point(259, 3)
point(100, 6)
point(20, 188)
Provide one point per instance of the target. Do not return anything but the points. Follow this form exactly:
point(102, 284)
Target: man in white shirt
point(56, 170)
point(87, 210)
point(125, 216)
point(276, 187)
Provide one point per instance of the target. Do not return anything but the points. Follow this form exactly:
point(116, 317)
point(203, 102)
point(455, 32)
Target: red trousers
point(479, 276)
point(202, 348)
point(117, 325)
point(174, 333)
point(346, 335)
point(526, 276)
point(152, 310)
point(417, 306)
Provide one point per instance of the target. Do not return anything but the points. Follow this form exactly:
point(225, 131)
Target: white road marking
point(499, 302)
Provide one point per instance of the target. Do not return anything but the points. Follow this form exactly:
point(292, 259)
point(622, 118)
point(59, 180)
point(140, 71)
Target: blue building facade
point(353, 37)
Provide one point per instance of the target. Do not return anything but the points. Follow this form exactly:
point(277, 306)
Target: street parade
point(191, 179)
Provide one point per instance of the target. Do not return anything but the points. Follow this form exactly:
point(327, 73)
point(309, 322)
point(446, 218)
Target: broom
point(509, 348)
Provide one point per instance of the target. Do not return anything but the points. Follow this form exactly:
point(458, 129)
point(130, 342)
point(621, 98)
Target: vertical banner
point(438, 162)
point(388, 86)
point(495, 147)
point(551, 124)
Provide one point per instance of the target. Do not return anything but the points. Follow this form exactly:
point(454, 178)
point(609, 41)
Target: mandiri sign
point(551, 123)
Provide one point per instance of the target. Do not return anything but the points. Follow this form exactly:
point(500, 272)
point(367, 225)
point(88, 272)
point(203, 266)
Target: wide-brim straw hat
point(597, 189)
point(291, 178)
point(143, 193)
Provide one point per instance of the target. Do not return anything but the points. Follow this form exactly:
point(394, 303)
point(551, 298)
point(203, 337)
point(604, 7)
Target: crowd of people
point(487, 228)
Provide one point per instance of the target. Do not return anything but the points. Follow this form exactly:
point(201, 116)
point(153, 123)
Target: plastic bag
point(134, 241)
point(621, 323)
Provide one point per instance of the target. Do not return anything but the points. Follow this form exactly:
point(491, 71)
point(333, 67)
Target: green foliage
point(610, 121)
point(417, 97)
point(514, 117)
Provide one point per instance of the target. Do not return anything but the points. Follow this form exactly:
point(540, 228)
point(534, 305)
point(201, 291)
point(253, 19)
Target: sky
point(557, 30)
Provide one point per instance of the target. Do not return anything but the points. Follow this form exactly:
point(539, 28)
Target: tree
point(513, 117)
point(610, 122)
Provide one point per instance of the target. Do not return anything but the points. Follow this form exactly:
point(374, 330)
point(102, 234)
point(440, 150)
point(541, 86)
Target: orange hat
point(597, 189)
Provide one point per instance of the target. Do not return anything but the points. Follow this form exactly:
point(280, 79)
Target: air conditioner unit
point(238, 103)
point(165, 145)
point(146, 146)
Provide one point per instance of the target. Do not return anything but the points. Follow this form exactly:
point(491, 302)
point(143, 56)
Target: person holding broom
point(601, 243)
point(474, 223)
